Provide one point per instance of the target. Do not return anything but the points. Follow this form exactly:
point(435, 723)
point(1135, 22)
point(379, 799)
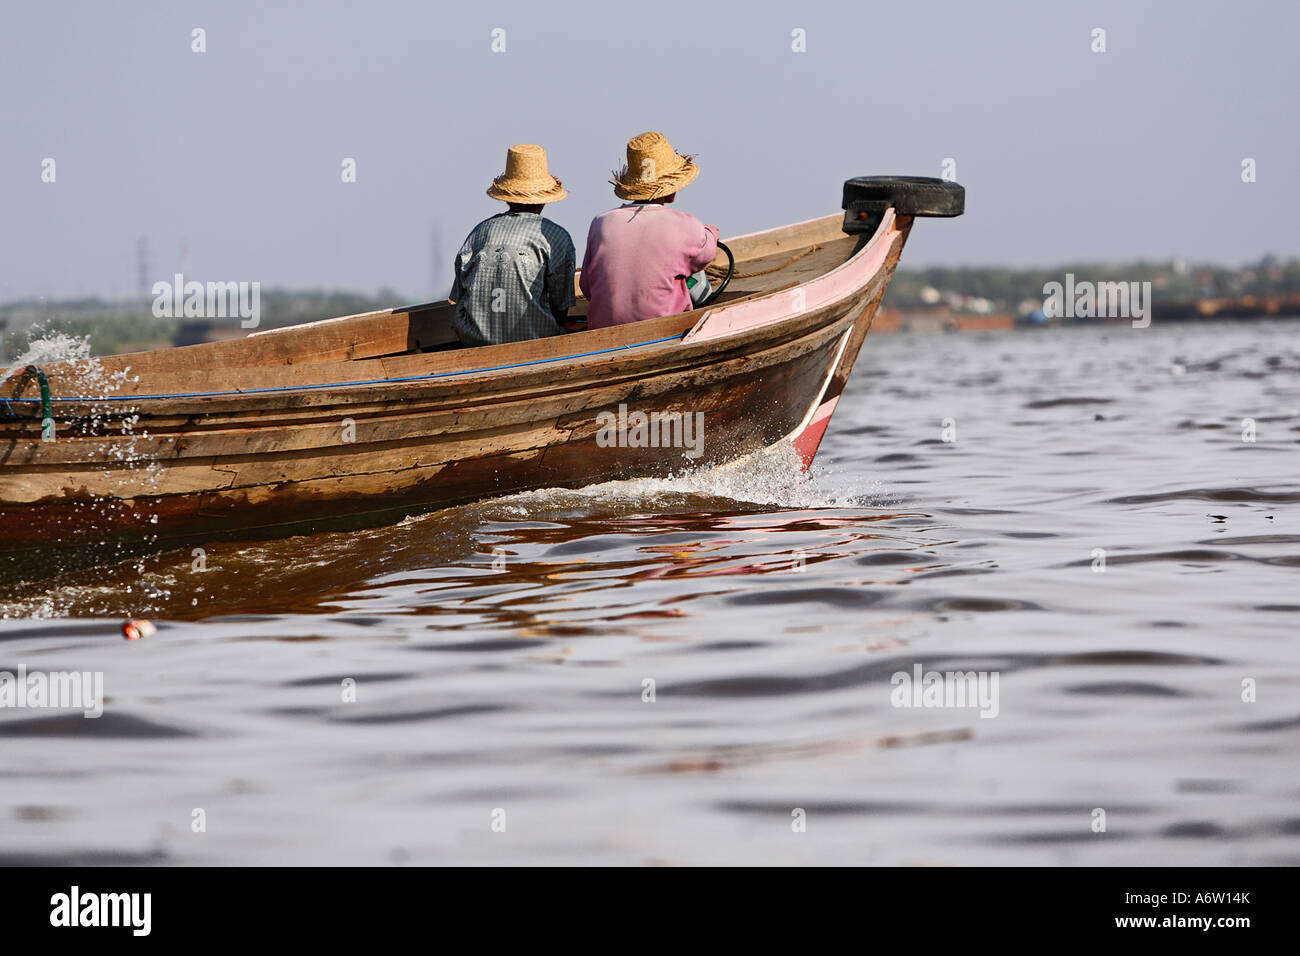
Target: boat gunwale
point(691, 353)
point(86, 454)
point(438, 397)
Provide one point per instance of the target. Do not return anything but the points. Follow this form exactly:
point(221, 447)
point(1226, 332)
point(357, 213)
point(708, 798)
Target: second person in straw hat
point(514, 273)
point(640, 255)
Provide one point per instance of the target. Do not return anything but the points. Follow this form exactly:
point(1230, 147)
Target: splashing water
point(80, 373)
point(81, 370)
point(773, 476)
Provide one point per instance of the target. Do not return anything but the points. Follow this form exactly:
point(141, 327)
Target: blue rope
point(375, 381)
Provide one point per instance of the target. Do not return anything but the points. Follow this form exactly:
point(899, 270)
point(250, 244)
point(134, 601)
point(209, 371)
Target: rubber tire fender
point(909, 195)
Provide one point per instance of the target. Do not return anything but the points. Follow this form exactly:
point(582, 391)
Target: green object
point(47, 413)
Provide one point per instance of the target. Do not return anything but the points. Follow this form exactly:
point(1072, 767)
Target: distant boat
point(372, 417)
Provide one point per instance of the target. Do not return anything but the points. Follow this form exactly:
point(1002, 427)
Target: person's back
point(514, 273)
point(638, 259)
point(640, 255)
point(514, 279)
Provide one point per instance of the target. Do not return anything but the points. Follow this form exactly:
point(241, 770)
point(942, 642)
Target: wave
point(773, 477)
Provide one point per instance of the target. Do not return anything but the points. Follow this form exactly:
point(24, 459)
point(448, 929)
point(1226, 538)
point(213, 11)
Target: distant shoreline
point(129, 325)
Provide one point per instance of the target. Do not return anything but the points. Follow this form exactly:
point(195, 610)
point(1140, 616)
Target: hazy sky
point(1066, 154)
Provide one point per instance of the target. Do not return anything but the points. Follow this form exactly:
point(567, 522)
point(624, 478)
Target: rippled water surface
point(500, 651)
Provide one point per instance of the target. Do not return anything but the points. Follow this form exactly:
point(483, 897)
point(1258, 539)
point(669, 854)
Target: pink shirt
point(637, 261)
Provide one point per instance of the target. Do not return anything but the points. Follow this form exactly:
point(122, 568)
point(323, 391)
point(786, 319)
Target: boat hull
point(765, 371)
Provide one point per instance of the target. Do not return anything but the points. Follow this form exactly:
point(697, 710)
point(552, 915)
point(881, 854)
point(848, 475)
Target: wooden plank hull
point(263, 436)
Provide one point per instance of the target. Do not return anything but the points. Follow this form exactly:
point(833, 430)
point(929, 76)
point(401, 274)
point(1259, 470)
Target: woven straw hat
point(526, 179)
point(653, 169)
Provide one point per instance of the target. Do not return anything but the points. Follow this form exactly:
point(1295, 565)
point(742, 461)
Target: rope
point(47, 415)
point(714, 271)
point(375, 381)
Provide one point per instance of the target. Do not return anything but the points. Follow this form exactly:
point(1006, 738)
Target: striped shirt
point(514, 275)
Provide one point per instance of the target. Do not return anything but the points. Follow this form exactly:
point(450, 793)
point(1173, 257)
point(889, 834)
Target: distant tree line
point(1171, 280)
point(130, 326)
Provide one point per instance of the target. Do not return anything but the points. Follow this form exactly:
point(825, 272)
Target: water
point(499, 650)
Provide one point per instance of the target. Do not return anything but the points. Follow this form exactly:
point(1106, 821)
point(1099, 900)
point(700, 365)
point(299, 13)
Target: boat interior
point(419, 340)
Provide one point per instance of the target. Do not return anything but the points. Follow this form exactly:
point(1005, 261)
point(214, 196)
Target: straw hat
point(526, 179)
point(653, 169)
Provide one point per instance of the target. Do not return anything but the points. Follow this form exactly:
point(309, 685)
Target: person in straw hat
point(514, 274)
point(640, 255)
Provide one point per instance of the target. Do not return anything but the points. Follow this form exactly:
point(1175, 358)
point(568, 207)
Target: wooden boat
point(374, 416)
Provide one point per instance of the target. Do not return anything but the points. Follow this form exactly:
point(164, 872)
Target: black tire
point(909, 195)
